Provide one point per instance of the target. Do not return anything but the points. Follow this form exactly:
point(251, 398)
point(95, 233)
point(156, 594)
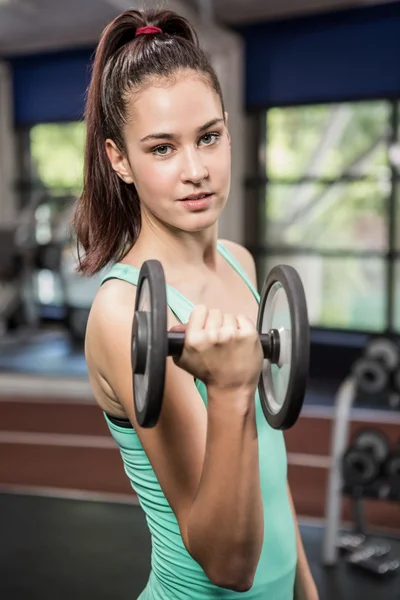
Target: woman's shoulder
point(112, 309)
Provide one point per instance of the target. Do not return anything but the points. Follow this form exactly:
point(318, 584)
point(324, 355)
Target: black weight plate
point(359, 467)
point(370, 375)
point(283, 307)
point(392, 469)
point(148, 388)
point(385, 350)
point(374, 441)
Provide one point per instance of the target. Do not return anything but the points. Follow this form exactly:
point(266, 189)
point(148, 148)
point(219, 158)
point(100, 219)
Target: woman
point(211, 476)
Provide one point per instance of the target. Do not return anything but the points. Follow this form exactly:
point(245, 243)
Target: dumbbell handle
point(269, 342)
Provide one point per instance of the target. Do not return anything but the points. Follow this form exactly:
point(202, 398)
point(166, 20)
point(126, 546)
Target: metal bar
point(344, 178)
point(343, 404)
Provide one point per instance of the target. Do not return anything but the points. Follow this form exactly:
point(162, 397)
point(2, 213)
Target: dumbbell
point(369, 560)
point(373, 371)
point(369, 554)
point(283, 327)
point(363, 461)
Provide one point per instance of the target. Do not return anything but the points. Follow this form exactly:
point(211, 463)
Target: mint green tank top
point(175, 575)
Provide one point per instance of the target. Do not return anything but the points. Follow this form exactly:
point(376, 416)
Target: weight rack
point(345, 398)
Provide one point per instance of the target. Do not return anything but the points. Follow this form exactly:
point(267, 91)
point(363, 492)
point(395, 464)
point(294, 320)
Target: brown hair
point(107, 214)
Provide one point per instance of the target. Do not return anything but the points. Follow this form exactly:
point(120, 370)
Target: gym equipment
point(371, 376)
point(357, 542)
point(348, 542)
point(367, 559)
point(370, 449)
point(284, 334)
point(374, 371)
point(362, 462)
point(359, 467)
point(392, 472)
point(11, 309)
point(368, 555)
point(377, 444)
point(385, 351)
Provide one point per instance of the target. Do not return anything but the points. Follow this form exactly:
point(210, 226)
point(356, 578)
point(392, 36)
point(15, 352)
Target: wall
point(346, 55)
point(7, 149)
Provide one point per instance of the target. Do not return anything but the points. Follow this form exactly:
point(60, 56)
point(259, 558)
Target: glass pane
point(337, 216)
point(346, 293)
point(57, 152)
point(396, 317)
point(328, 140)
point(397, 196)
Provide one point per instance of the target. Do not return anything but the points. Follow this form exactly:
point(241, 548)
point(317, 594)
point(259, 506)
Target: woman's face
point(178, 149)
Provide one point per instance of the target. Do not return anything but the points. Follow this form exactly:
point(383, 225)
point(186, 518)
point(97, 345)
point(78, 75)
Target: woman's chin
point(200, 221)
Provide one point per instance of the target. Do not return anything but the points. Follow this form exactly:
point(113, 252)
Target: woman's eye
point(209, 138)
point(162, 150)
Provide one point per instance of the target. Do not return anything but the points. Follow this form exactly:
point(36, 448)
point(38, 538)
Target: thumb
point(178, 328)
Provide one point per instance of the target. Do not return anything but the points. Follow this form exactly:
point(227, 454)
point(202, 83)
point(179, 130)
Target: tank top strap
point(235, 265)
point(179, 305)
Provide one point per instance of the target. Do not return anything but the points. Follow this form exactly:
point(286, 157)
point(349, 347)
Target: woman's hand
point(222, 350)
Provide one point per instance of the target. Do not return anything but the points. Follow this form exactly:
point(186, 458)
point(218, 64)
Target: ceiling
point(36, 25)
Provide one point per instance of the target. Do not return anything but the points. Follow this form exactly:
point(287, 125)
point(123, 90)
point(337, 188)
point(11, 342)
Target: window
point(56, 175)
point(330, 194)
point(54, 179)
point(57, 155)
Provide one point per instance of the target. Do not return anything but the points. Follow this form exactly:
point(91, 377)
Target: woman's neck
point(180, 250)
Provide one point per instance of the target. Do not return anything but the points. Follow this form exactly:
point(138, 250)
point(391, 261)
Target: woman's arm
point(304, 588)
point(206, 461)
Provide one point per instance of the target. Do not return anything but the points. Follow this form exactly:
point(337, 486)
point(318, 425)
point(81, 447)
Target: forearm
point(225, 524)
point(305, 588)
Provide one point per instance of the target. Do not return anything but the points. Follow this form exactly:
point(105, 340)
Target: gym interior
point(304, 82)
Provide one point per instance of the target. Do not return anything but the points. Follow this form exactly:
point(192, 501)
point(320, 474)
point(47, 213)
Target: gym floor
point(63, 548)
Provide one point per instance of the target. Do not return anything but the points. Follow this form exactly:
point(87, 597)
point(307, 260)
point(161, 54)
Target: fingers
point(228, 329)
point(245, 325)
point(178, 328)
point(212, 326)
point(194, 336)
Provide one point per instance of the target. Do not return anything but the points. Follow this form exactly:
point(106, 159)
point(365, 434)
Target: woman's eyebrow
point(172, 136)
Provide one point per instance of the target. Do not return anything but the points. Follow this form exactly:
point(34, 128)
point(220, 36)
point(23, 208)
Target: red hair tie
point(147, 29)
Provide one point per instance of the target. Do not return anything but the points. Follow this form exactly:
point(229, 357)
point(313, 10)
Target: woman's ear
point(118, 161)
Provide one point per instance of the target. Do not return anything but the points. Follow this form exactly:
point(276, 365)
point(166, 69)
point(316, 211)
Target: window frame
point(257, 224)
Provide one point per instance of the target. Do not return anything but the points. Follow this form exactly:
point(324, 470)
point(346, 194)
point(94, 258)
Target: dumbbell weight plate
point(359, 467)
point(283, 308)
point(370, 375)
point(392, 470)
point(384, 350)
point(373, 441)
point(149, 343)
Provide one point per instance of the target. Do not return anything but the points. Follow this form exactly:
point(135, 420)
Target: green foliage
point(346, 131)
point(57, 153)
point(324, 143)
